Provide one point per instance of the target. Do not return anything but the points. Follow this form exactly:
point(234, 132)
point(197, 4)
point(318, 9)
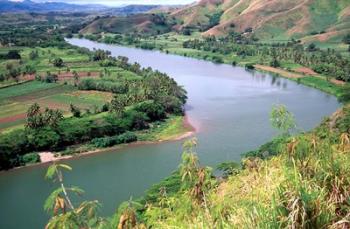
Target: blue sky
point(123, 2)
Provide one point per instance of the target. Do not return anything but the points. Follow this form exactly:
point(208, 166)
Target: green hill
point(310, 20)
point(140, 23)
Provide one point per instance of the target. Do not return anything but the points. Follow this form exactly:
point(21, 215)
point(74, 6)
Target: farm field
point(30, 80)
point(16, 100)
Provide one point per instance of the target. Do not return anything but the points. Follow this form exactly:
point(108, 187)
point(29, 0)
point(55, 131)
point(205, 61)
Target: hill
point(321, 20)
point(141, 23)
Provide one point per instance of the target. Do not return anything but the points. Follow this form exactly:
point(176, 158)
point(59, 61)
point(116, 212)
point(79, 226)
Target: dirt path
point(306, 71)
point(284, 73)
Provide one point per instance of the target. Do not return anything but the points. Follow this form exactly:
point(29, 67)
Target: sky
point(124, 2)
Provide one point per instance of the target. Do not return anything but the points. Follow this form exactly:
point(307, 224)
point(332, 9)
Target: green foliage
point(75, 111)
point(30, 158)
point(229, 168)
point(345, 94)
point(100, 55)
point(58, 62)
point(43, 138)
point(104, 142)
point(249, 66)
point(13, 54)
point(152, 109)
point(269, 149)
point(59, 205)
point(346, 39)
point(53, 169)
point(215, 19)
point(282, 119)
point(275, 63)
point(37, 119)
point(119, 103)
point(148, 46)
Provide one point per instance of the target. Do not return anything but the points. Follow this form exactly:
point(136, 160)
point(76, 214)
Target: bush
point(218, 59)
point(103, 142)
point(275, 63)
point(13, 54)
point(249, 66)
point(58, 62)
point(127, 138)
point(153, 110)
point(30, 158)
point(149, 46)
point(51, 78)
point(172, 104)
point(75, 111)
point(114, 140)
point(42, 139)
point(137, 120)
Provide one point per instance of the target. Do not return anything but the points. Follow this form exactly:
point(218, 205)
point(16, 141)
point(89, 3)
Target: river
point(228, 106)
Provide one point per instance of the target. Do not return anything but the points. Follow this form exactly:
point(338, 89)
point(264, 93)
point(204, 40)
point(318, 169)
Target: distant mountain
point(29, 6)
point(131, 9)
point(320, 20)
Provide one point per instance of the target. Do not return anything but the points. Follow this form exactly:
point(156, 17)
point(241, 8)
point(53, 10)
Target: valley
point(254, 93)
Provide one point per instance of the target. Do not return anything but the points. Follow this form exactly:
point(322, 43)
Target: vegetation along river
point(228, 106)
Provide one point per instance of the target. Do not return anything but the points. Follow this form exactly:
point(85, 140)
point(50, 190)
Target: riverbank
point(174, 129)
point(302, 75)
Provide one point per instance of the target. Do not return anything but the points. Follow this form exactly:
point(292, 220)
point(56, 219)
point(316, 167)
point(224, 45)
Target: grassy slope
point(278, 192)
point(143, 23)
point(175, 127)
point(277, 20)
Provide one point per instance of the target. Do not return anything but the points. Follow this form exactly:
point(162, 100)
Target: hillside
point(141, 23)
point(303, 186)
point(270, 19)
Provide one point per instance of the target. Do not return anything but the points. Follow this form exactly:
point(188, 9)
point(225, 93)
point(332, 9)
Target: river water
point(228, 106)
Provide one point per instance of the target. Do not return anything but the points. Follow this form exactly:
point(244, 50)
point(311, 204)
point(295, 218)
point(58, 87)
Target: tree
point(58, 62)
point(100, 55)
point(275, 63)
point(119, 103)
point(51, 78)
point(75, 111)
point(346, 39)
point(37, 119)
point(311, 47)
point(34, 117)
point(13, 54)
point(33, 54)
point(29, 69)
point(52, 117)
point(282, 119)
point(76, 78)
